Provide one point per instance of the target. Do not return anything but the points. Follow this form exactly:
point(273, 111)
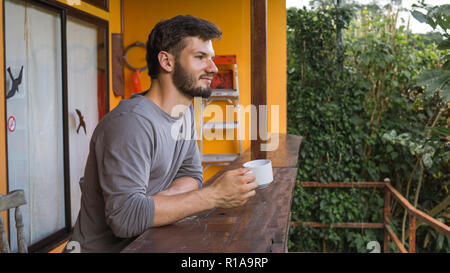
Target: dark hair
point(168, 35)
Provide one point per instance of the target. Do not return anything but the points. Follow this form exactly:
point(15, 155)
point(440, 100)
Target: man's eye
point(199, 57)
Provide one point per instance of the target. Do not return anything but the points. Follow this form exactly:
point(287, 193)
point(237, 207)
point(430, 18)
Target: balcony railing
point(389, 191)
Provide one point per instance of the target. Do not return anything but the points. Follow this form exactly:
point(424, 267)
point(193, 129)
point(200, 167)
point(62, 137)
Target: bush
point(351, 102)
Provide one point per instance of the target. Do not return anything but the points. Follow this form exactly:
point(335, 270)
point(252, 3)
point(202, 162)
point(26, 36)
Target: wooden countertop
point(260, 226)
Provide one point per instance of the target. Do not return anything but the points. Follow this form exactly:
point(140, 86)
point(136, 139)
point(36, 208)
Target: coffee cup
point(262, 169)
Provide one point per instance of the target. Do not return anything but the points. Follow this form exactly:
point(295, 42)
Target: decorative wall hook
point(136, 44)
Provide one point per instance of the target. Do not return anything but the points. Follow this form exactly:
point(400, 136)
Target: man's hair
point(169, 35)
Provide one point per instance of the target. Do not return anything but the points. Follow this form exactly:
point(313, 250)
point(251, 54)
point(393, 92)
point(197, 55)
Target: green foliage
point(436, 80)
point(363, 118)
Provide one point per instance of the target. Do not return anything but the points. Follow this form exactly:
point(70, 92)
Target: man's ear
point(166, 61)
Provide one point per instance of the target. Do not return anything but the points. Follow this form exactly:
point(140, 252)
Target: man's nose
point(212, 68)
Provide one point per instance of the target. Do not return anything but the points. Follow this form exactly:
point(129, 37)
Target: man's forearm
point(180, 185)
point(169, 209)
point(231, 189)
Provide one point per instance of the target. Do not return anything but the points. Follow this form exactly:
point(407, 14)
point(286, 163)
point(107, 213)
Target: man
point(138, 173)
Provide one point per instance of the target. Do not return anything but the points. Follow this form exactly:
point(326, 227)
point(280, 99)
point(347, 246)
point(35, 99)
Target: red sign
point(12, 124)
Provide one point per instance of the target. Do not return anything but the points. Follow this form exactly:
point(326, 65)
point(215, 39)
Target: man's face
point(194, 68)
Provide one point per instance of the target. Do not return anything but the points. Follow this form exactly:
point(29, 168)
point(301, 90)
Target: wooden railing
point(389, 233)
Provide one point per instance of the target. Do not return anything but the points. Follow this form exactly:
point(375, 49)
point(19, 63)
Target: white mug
point(262, 169)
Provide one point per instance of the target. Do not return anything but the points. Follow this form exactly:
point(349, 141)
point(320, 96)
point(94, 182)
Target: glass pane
point(34, 112)
point(86, 94)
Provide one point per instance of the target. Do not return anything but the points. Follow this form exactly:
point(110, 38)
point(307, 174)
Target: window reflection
point(86, 95)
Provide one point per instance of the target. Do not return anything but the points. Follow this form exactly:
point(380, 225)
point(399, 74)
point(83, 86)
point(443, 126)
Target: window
point(56, 93)
point(86, 97)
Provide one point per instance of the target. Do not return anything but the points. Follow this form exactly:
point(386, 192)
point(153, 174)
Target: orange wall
point(277, 60)
point(3, 177)
point(233, 18)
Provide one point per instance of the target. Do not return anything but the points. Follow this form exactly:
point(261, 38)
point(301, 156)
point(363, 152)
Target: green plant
point(436, 80)
point(324, 106)
point(343, 114)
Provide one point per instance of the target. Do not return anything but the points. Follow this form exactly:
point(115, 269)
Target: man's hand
point(233, 188)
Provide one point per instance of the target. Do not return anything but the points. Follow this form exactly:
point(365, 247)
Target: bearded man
point(140, 173)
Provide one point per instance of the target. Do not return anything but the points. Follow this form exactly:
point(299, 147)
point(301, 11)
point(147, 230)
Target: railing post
point(412, 234)
point(387, 215)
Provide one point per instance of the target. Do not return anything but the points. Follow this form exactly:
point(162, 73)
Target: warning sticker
point(12, 124)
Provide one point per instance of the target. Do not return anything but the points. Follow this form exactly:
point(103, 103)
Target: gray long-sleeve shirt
point(136, 151)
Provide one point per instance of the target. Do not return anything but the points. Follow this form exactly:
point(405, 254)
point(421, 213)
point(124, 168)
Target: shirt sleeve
point(124, 154)
point(192, 165)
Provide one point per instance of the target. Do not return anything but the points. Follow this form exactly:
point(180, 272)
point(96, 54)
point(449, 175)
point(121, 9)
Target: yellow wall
point(233, 18)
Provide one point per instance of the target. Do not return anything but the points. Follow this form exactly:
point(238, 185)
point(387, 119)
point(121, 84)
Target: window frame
point(59, 237)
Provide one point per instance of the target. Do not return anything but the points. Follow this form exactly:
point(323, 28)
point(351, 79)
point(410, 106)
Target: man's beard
point(185, 82)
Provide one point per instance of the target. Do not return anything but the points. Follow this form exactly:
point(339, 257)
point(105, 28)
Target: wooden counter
point(260, 226)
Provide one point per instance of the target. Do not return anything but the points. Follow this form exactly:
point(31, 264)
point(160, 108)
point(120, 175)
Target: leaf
point(442, 23)
point(445, 44)
point(419, 16)
point(427, 161)
point(431, 22)
point(445, 9)
point(440, 131)
point(394, 155)
point(389, 148)
point(430, 150)
point(435, 80)
point(440, 241)
point(384, 168)
point(426, 241)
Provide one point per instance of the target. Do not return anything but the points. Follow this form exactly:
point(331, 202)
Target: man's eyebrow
point(204, 54)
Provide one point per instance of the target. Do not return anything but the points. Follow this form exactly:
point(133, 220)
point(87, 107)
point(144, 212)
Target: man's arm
point(231, 189)
point(123, 163)
point(180, 185)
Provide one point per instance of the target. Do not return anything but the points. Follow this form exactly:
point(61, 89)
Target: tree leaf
point(427, 161)
point(419, 16)
point(440, 131)
point(445, 9)
point(445, 44)
point(435, 80)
